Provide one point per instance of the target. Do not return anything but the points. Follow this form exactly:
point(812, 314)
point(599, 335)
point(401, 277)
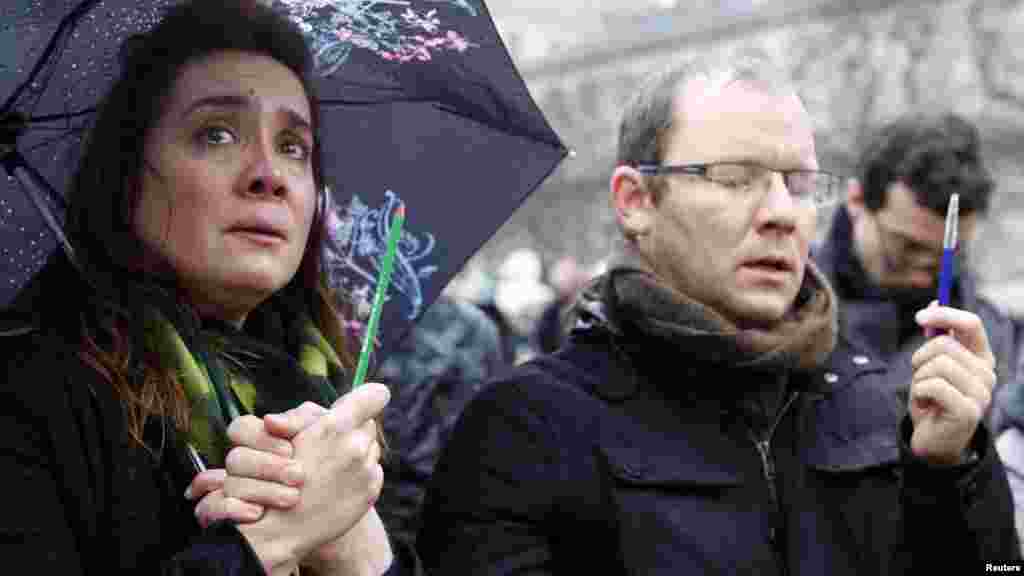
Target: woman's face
point(227, 193)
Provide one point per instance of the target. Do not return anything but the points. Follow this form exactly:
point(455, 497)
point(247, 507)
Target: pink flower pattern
point(394, 30)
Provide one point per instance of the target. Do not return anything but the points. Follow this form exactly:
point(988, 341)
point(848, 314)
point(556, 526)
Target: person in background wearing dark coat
point(195, 296)
point(706, 417)
point(883, 249)
point(567, 278)
point(433, 372)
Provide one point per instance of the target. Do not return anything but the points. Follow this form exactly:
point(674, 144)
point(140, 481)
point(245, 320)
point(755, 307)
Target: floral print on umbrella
point(356, 241)
point(395, 30)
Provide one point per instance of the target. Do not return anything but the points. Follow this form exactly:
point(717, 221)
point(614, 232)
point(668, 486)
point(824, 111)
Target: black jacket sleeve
point(958, 517)
point(220, 550)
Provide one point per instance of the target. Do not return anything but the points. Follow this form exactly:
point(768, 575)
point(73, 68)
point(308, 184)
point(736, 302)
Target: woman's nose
point(263, 177)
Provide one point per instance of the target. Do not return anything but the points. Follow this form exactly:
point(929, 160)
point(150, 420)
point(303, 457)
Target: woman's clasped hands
point(302, 485)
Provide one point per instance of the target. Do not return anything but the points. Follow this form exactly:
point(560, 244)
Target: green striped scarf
point(214, 381)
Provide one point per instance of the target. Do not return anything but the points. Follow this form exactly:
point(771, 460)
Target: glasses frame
point(701, 170)
point(909, 252)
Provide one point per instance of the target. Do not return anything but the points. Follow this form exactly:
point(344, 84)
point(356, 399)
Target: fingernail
point(289, 497)
point(188, 493)
point(293, 475)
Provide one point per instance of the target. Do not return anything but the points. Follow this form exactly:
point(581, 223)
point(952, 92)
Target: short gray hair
point(649, 117)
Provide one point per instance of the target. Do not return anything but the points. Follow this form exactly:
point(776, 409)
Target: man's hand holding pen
point(954, 374)
point(954, 371)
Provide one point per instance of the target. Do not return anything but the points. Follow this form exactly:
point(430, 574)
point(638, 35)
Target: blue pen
point(949, 243)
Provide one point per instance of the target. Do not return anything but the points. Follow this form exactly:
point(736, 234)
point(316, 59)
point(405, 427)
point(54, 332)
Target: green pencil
point(378, 298)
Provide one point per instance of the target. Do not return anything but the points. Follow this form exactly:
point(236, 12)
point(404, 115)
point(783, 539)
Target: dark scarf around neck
point(629, 296)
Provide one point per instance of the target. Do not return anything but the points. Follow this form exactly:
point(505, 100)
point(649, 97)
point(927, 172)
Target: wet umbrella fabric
point(421, 106)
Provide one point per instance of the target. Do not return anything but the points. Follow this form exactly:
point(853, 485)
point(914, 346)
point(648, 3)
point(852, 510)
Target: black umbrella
point(421, 106)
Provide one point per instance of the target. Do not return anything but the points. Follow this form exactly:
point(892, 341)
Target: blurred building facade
point(857, 63)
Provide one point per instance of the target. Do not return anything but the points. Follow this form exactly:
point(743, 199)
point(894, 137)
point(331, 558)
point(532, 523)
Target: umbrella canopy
point(421, 107)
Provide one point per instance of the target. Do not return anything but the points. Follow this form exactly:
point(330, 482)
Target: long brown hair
point(103, 199)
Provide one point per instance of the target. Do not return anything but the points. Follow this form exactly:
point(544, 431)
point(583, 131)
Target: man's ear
point(632, 200)
point(855, 199)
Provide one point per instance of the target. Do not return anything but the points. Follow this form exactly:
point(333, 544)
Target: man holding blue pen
point(884, 251)
point(888, 252)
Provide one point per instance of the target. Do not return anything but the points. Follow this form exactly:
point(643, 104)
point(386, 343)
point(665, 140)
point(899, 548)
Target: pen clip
point(950, 239)
point(949, 246)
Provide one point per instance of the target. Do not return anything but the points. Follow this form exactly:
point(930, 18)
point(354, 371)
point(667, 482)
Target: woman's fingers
point(249, 463)
point(259, 492)
point(205, 482)
point(215, 506)
point(355, 408)
point(250, 431)
point(287, 424)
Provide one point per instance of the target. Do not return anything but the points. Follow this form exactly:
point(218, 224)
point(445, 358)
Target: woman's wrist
point(364, 551)
point(276, 554)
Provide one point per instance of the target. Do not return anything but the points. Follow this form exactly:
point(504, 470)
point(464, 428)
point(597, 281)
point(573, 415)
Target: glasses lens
point(818, 187)
point(733, 175)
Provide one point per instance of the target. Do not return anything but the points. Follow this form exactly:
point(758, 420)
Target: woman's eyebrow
point(238, 101)
point(221, 101)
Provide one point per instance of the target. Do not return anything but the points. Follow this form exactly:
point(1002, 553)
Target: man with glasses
point(884, 248)
point(705, 417)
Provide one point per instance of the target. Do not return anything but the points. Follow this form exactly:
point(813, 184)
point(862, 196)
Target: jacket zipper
point(764, 448)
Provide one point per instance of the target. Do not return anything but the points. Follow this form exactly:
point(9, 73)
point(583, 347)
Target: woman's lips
point(262, 237)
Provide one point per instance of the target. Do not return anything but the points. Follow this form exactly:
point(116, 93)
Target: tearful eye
point(215, 135)
point(296, 150)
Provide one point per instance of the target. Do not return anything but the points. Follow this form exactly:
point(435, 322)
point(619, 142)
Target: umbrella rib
point(66, 24)
point(48, 141)
point(64, 116)
point(49, 73)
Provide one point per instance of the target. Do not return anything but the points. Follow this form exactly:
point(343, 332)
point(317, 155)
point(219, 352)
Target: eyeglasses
point(902, 252)
point(821, 188)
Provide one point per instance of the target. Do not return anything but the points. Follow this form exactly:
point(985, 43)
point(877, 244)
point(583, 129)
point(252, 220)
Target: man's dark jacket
point(626, 454)
point(879, 325)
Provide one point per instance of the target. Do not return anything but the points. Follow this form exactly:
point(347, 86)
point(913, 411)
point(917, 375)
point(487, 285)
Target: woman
point(195, 296)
